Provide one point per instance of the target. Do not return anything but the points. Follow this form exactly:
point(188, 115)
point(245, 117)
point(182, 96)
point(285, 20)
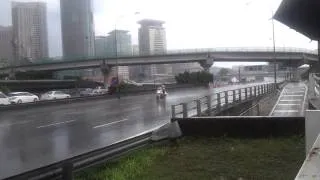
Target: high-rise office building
point(30, 34)
point(152, 40)
point(6, 52)
point(77, 26)
point(101, 46)
point(119, 44)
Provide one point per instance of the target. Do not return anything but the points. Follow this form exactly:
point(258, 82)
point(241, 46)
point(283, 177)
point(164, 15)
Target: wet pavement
point(39, 136)
point(292, 101)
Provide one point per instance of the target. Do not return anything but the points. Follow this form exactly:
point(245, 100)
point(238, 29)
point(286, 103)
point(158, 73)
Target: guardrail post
point(209, 105)
point(226, 96)
point(258, 109)
point(255, 91)
point(250, 92)
point(67, 171)
point(245, 93)
point(265, 89)
point(198, 107)
point(184, 110)
point(218, 102)
point(233, 96)
point(240, 93)
point(262, 91)
point(173, 111)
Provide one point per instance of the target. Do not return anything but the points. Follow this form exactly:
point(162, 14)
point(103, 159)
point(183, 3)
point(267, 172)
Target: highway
point(292, 101)
point(39, 136)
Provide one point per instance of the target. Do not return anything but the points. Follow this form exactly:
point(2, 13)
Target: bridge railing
point(316, 84)
point(213, 104)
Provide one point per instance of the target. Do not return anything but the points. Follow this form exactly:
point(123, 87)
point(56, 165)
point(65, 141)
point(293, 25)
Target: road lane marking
point(274, 107)
point(290, 100)
point(293, 95)
point(54, 124)
point(304, 99)
point(289, 104)
point(284, 111)
point(294, 92)
point(108, 124)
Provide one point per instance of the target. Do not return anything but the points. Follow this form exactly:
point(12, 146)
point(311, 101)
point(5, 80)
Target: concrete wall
point(248, 127)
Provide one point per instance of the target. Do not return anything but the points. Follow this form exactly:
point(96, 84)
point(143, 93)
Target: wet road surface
point(39, 136)
point(291, 101)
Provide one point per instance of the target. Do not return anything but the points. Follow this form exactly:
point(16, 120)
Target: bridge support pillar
point(12, 75)
point(105, 69)
point(206, 64)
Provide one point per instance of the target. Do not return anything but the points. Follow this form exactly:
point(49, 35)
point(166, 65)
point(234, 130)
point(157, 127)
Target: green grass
point(208, 159)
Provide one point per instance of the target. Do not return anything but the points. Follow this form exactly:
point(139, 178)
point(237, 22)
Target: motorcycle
point(160, 94)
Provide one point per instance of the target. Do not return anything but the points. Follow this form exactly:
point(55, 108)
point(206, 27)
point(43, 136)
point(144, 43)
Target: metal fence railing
point(316, 84)
point(215, 103)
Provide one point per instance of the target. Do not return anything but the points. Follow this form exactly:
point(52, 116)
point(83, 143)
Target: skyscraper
point(30, 35)
point(6, 52)
point(101, 46)
point(77, 28)
point(119, 44)
point(152, 40)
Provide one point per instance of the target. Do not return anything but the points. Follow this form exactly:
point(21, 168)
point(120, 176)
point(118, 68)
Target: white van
point(4, 100)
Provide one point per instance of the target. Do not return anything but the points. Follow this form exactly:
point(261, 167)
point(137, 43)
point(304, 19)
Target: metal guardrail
point(219, 101)
point(316, 84)
point(64, 169)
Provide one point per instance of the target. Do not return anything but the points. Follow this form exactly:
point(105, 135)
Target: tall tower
point(77, 28)
point(6, 52)
point(152, 40)
point(30, 35)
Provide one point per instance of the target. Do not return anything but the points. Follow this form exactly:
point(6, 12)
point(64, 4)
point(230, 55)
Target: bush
point(201, 77)
point(4, 89)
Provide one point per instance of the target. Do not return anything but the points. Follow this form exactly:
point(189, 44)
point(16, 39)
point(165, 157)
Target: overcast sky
point(189, 23)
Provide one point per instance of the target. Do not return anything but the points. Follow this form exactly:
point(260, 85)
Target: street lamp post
point(274, 51)
point(116, 50)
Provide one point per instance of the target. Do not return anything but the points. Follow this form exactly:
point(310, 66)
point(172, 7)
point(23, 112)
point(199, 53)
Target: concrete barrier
point(246, 127)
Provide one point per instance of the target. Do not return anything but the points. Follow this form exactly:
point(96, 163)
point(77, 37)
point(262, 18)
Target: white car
point(4, 100)
point(52, 95)
point(22, 97)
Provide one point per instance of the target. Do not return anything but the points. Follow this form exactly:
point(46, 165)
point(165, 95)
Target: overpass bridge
point(206, 58)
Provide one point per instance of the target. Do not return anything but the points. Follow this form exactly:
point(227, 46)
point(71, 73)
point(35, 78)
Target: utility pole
point(274, 51)
point(239, 75)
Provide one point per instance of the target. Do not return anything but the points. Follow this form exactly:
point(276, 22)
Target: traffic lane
point(22, 144)
point(93, 117)
point(50, 144)
point(45, 113)
point(98, 113)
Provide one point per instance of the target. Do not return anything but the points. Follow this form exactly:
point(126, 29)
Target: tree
point(223, 72)
point(202, 77)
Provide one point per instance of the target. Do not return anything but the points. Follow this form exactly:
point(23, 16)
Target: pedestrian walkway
point(291, 101)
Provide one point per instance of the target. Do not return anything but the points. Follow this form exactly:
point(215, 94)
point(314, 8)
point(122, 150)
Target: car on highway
point(99, 90)
point(4, 100)
point(52, 95)
point(86, 92)
point(22, 97)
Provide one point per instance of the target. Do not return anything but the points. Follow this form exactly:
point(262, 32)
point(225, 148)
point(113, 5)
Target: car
point(4, 100)
point(22, 97)
point(52, 95)
point(99, 90)
point(86, 92)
